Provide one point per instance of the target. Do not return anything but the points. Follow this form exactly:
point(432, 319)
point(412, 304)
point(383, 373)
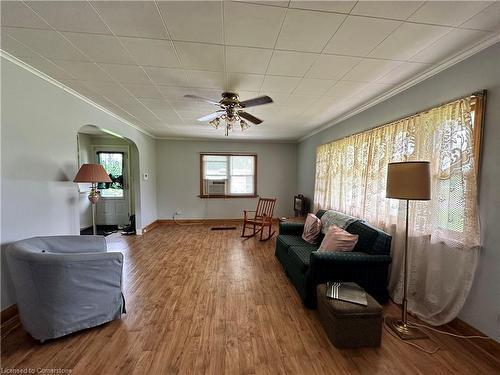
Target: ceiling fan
point(231, 110)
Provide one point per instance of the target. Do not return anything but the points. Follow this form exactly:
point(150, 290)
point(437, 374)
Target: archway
point(119, 200)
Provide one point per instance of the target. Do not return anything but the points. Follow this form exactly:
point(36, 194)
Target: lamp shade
point(92, 173)
point(409, 180)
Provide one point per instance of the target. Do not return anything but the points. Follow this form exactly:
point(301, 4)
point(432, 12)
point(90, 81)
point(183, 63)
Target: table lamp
point(409, 181)
point(93, 173)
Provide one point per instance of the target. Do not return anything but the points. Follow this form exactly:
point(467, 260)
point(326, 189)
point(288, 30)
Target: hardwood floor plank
point(207, 302)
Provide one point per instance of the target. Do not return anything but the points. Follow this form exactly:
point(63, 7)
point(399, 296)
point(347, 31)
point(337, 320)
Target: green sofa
point(367, 265)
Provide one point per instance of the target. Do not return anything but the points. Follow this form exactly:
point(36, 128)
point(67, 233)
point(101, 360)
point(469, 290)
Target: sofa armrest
point(291, 228)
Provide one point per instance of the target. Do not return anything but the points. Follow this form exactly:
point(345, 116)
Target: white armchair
point(65, 283)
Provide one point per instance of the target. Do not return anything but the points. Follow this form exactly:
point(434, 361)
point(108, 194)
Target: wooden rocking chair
point(263, 218)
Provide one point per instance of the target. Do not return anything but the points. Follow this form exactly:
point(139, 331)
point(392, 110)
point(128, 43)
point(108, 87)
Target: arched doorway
point(120, 200)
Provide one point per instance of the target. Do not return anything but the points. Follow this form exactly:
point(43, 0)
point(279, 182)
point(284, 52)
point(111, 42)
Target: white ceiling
point(317, 59)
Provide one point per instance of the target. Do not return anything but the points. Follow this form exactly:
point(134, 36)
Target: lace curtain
point(444, 239)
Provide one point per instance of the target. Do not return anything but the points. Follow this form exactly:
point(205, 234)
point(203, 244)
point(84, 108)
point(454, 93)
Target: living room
point(364, 134)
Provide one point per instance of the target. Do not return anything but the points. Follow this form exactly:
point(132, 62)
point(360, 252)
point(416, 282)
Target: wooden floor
point(206, 302)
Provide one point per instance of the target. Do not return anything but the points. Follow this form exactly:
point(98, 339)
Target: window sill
point(227, 196)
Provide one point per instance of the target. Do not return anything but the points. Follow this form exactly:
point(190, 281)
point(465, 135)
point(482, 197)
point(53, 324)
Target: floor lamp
point(93, 173)
point(409, 181)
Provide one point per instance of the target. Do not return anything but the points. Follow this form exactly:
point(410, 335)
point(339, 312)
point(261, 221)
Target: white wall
point(481, 71)
point(85, 156)
point(39, 123)
point(179, 178)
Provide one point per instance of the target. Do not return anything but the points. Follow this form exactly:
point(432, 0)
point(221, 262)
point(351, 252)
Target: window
point(351, 172)
point(113, 164)
point(228, 175)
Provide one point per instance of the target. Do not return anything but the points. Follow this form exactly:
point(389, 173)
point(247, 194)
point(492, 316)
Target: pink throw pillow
point(337, 239)
point(312, 228)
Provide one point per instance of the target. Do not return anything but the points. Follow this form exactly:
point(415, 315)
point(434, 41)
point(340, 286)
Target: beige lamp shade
point(409, 180)
point(92, 173)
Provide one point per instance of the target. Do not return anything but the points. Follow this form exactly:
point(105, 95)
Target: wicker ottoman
point(349, 325)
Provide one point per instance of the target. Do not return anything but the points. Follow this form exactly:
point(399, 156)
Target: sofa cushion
point(312, 227)
point(338, 239)
point(299, 256)
point(290, 240)
point(332, 217)
point(367, 236)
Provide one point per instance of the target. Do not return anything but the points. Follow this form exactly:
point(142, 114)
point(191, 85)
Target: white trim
point(235, 140)
point(478, 47)
point(49, 79)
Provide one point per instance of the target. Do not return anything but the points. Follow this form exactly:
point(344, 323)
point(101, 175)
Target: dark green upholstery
point(367, 265)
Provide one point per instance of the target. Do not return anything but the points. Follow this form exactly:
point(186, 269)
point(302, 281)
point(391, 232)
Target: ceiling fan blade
point(210, 116)
point(256, 101)
point(201, 99)
point(249, 117)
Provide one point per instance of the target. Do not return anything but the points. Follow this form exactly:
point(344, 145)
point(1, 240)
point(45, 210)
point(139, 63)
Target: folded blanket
point(338, 218)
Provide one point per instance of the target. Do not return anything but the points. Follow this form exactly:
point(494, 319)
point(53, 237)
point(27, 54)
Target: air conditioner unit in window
point(216, 187)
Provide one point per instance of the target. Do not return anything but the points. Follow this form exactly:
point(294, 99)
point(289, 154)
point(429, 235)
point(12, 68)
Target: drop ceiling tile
point(327, 6)
point(345, 89)
point(16, 48)
point(280, 84)
point(197, 21)
point(403, 72)
point(276, 3)
point(109, 89)
point(143, 91)
point(300, 101)
point(168, 115)
point(449, 45)
point(154, 104)
point(81, 88)
point(132, 18)
point(126, 73)
point(47, 67)
point(46, 42)
point(310, 86)
point(332, 66)
point(84, 71)
point(369, 70)
point(76, 16)
point(252, 25)
point(407, 40)
point(398, 10)
point(488, 19)
point(448, 13)
point(153, 52)
point(288, 63)
point(16, 13)
point(201, 56)
point(308, 31)
point(247, 60)
point(177, 93)
point(359, 35)
point(249, 82)
point(167, 76)
point(204, 79)
point(100, 48)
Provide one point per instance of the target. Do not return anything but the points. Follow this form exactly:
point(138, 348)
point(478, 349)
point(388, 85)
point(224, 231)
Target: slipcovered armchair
point(65, 283)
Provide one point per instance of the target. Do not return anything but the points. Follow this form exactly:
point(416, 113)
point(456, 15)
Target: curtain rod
point(481, 93)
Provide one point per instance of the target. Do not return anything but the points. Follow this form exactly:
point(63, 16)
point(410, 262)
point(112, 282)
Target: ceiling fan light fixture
point(231, 111)
point(244, 125)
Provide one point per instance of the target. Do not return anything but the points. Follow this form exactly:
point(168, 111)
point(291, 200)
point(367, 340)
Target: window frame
point(232, 196)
